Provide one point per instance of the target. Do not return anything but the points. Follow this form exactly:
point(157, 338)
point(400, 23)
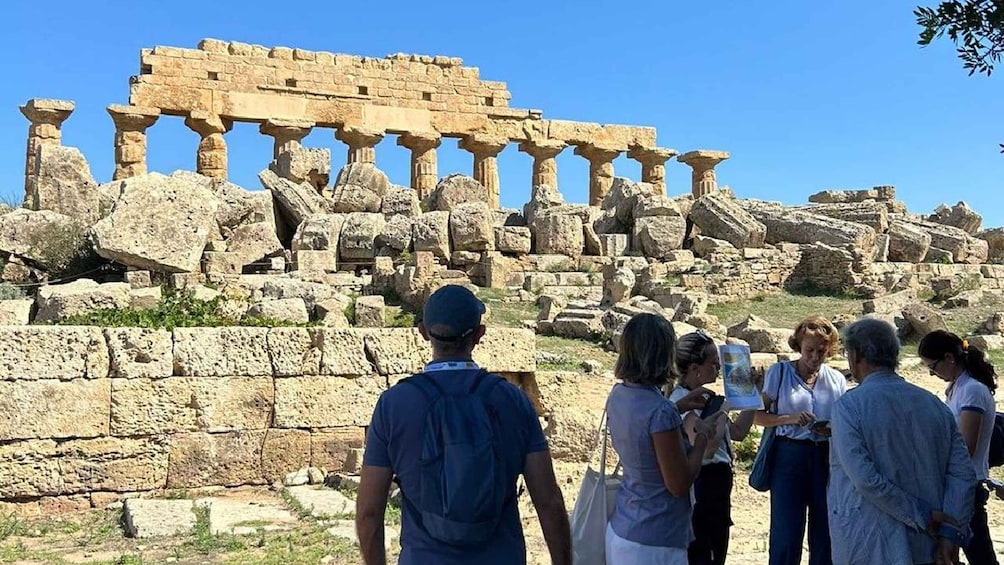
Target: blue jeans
point(799, 473)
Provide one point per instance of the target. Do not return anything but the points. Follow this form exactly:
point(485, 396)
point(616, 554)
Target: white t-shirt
point(784, 387)
point(722, 454)
point(968, 394)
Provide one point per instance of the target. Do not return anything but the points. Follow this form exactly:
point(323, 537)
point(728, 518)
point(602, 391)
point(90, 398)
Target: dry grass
point(784, 309)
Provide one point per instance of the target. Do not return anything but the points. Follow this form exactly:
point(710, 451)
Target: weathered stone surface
point(325, 402)
point(52, 352)
point(965, 299)
point(892, 303)
point(617, 285)
point(881, 248)
point(251, 243)
point(237, 206)
point(396, 351)
point(541, 198)
point(310, 292)
point(304, 165)
point(331, 313)
point(471, 227)
point(621, 198)
point(32, 234)
point(343, 352)
point(963, 247)
point(559, 234)
point(295, 351)
point(987, 342)
point(181, 404)
point(319, 232)
point(330, 448)
point(360, 187)
point(288, 309)
point(513, 239)
point(883, 193)
point(784, 225)
point(507, 350)
point(923, 319)
point(725, 219)
point(157, 518)
point(63, 184)
point(296, 201)
point(221, 352)
point(16, 312)
point(310, 260)
point(400, 200)
point(322, 502)
point(704, 246)
point(357, 240)
point(54, 409)
point(370, 311)
point(960, 216)
point(228, 459)
point(994, 324)
point(139, 352)
point(396, 235)
point(994, 238)
point(231, 517)
point(158, 223)
point(907, 242)
point(284, 451)
point(431, 232)
point(81, 296)
point(869, 212)
point(655, 205)
point(454, 190)
point(578, 323)
point(658, 236)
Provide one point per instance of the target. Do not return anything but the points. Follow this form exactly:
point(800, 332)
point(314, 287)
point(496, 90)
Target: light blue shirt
point(785, 388)
point(645, 511)
point(896, 454)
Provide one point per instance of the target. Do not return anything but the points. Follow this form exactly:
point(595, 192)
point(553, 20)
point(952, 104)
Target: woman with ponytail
point(971, 384)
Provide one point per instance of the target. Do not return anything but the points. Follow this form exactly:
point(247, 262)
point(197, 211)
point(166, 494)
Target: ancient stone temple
point(421, 99)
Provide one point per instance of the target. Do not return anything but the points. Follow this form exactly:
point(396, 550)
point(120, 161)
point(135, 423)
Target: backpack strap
point(484, 383)
point(429, 387)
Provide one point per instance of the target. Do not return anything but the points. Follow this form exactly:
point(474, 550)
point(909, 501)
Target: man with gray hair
point(901, 484)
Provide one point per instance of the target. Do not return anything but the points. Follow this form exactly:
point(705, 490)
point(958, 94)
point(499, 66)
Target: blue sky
point(805, 95)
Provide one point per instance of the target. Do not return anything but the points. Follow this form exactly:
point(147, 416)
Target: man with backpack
point(456, 439)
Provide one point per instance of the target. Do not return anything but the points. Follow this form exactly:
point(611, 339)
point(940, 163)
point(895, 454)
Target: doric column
point(601, 169)
point(545, 167)
point(362, 143)
point(212, 156)
point(130, 138)
point(703, 163)
point(423, 160)
point(653, 164)
point(287, 134)
point(46, 117)
point(486, 169)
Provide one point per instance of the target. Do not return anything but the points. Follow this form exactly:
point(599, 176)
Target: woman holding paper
point(651, 521)
point(799, 396)
point(698, 363)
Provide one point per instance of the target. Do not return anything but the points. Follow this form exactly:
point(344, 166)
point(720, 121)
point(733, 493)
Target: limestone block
point(513, 239)
point(370, 311)
point(63, 184)
point(870, 213)
point(157, 518)
point(987, 342)
point(400, 200)
point(892, 303)
point(431, 232)
point(725, 219)
point(81, 296)
point(16, 312)
point(237, 206)
point(330, 448)
point(881, 248)
point(654, 205)
point(704, 246)
point(144, 298)
point(221, 352)
point(30, 234)
point(994, 324)
point(396, 351)
point(295, 201)
point(304, 165)
point(658, 236)
point(140, 352)
point(343, 352)
point(578, 323)
point(936, 255)
point(228, 459)
point(29, 468)
point(923, 319)
point(319, 232)
point(614, 244)
point(54, 409)
point(965, 299)
point(331, 313)
point(963, 247)
point(310, 260)
point(325, 402)
point(994, 238)
point(357, 240)
point(322, 503)
point(464, 259)
point(541, 197)
point(617, 285)
point(624, 194)
point(287, 309)
point(112, 464)
point(907, 242)
point(285, 451)
point(454, 190)
point(158, 223)
point(360, 187)
point(253, 242)
point(792, 226)
point(396, 236)
point(231, 517)
point(471, 227)
point(138, 279)
point(558, 234)
point(52, 352)
point(181, 404)
point(883, 193)
point(960, 216)
point(295, 351)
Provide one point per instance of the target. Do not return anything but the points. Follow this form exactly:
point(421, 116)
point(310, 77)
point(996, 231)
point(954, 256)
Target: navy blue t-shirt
point(394, 440)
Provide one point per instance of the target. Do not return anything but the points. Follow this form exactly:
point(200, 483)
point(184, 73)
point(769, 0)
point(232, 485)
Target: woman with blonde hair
point(799, 396)
point(651, 521)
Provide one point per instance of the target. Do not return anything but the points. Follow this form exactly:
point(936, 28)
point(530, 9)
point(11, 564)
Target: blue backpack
point(462, 481)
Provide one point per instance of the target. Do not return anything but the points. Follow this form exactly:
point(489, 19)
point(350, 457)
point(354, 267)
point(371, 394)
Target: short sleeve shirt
point(791, 395)
point(645, 512)
point(723, 454)
point(394, 440)
point(970, 395)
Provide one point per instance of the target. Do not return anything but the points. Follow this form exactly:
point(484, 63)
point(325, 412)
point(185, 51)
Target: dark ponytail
point(939, 343)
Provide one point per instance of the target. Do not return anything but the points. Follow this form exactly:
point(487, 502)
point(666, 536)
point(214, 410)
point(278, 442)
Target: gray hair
point(873, 341)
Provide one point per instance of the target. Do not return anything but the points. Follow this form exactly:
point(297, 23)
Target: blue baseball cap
point(452, 313)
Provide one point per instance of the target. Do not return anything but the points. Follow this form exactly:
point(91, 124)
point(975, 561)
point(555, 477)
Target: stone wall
point(93, 414)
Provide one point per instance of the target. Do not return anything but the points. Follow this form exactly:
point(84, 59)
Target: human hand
point(695, 400)
point(946, 553)
point(802, 418)
point(711, 427)
point(937, 519)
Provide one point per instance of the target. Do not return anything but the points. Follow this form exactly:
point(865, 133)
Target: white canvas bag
point(594, 506)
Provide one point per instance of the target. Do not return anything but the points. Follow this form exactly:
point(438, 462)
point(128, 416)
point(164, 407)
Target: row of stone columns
point(131, 123)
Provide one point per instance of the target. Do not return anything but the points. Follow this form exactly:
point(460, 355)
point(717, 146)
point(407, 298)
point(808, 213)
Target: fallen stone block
point(151, 518)
point(322, 502)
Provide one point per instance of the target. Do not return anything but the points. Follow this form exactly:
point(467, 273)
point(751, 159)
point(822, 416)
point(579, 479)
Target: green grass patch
point(395, 317)
point(965, 321)
point(302, 547)
point(576, 349)
point(784, 309)
point(505, 312)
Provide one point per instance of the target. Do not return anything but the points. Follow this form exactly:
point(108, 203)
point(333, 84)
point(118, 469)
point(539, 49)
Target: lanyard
point(450, 366)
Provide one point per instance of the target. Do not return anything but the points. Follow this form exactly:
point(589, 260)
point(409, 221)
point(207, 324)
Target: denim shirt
point(895, 455)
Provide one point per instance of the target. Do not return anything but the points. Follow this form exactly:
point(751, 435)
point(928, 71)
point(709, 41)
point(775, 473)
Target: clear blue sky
point(805, 95)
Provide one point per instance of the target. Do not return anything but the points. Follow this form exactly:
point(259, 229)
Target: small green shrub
point(397, 318)
point(12, 292)
point(746, 449)
point(63, 249)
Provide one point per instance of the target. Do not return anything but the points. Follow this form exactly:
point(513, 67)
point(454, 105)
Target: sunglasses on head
point(814, 327)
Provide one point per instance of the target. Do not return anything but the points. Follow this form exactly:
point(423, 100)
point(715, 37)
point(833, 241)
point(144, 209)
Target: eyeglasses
point(933, 367)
